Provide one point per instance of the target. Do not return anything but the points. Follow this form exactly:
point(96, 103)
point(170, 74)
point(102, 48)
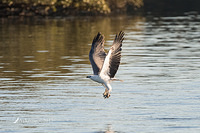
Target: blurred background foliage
point(88, 7)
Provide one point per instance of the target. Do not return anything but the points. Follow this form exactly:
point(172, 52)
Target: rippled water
point(43, 65)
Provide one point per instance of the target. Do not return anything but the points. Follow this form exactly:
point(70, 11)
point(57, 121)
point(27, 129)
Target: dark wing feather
point(97, 53)
point(116, 54)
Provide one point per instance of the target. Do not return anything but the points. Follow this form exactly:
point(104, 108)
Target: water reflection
point(43, 64)
point(108, 130)
point(34, 47)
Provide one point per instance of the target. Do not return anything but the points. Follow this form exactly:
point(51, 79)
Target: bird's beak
point(87, 76)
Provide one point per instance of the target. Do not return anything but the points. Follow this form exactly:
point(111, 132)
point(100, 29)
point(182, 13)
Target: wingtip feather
point(98, 38)
point(119, 37)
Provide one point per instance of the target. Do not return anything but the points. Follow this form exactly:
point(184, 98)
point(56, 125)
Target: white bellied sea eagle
point(105, 65)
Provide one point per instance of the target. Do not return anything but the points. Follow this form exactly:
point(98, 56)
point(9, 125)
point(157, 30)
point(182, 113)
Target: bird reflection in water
point(109, 130)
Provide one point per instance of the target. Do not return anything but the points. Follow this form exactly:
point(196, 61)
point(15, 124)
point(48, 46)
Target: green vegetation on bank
point(67, 7)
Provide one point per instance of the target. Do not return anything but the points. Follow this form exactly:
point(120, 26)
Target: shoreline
point(74, 9)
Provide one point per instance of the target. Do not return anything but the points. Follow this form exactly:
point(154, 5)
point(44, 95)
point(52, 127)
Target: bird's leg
point(106, 91)
point(106, 94)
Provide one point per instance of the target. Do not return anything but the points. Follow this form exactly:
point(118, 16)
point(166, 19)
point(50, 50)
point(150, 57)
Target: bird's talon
point(106, 95)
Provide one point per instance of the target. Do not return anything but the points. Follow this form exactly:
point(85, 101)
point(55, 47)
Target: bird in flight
point(105, 65)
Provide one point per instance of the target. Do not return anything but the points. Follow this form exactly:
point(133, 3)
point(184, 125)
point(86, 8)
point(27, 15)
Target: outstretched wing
point(113, 57)
point(97, 54)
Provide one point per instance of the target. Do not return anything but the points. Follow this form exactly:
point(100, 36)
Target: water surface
point(43, 65)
